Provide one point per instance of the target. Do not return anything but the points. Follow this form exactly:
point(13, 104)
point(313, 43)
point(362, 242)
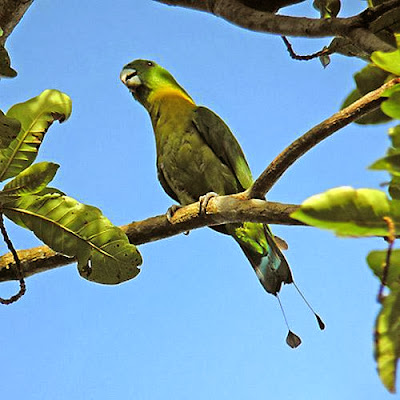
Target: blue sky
point(195, 323)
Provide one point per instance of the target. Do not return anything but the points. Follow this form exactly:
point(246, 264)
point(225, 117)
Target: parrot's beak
point(130, 78)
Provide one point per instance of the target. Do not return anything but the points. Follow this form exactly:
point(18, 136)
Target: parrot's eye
point(150, 64)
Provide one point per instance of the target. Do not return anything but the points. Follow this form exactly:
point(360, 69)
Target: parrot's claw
point(204, 201)
point(171, 211)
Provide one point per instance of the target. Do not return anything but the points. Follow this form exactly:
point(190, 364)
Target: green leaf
point(387, 340)
point(390, 91)
point(374, 117)
point(394, 134)
point(9, 129)
point(36, 115)
point(32, 180)
point(391, 106)
point(387, 61)
point(327, 8)
point(394, 188)
point(367, 79)
point(370, 78)
point(103, 251)
point(376, 261)
point(350, 212)
point(389, 163)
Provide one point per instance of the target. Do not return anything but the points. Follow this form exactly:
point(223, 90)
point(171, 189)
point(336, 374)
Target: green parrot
point(198, 154)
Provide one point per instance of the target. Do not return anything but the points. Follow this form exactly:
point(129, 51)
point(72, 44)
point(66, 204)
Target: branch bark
point(11, 12)
point(220, 210)
point(353, 28)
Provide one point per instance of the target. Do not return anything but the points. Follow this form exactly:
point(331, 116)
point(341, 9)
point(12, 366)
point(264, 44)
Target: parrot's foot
point(171, 211)
point(204, 201)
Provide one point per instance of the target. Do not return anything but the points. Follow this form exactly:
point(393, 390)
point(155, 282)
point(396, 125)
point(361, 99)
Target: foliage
point(364, 212)
point(103, 251)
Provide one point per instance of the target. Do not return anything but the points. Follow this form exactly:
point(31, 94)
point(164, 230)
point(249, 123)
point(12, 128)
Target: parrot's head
point(144, 77)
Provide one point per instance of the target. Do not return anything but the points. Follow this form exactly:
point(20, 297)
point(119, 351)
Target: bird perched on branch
point(198, 156)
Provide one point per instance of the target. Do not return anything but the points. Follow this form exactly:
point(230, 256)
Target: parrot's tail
point(267, 260)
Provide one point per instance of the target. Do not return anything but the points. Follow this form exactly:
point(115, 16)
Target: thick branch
point(354, 28)
point(11, 11)
point(220, 210)
point(371, 101)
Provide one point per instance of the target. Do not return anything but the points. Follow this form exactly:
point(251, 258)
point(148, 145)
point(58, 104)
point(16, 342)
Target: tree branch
point(220, 210)
point(11, 12)
point(370, 102)
point(353, 28)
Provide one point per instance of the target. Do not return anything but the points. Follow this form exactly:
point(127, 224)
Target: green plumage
point(197, 154)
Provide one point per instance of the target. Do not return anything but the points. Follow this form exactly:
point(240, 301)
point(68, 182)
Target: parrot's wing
point(164, 183)
point(220, 139)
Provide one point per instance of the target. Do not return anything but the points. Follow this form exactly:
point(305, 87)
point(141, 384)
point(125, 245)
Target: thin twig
point(20, 274)
point(390, 239)
point(371, 101)
point(324, 52)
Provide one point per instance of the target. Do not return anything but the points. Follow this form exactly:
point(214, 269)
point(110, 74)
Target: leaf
point(376, 261)
point(32, 180)
point(389, 163)
point(103, 251)
point(394, 188)
point(327, 8)
point(367, 79)
point(36, 115)
point(394, 134)
point(387, 340)
point(391, 106)
point(325, 60)
point(9, 129)
point(349, 212)
point(374, 117)
point(370, 78)
point(387, 61)
point(388, 92)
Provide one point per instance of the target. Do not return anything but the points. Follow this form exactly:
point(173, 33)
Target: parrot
point(199, 157)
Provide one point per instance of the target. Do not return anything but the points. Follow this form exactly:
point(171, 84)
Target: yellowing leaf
point(36, 115)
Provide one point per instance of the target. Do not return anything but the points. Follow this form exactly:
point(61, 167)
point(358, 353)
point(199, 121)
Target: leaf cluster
point(365, 212)
point(77, 230)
